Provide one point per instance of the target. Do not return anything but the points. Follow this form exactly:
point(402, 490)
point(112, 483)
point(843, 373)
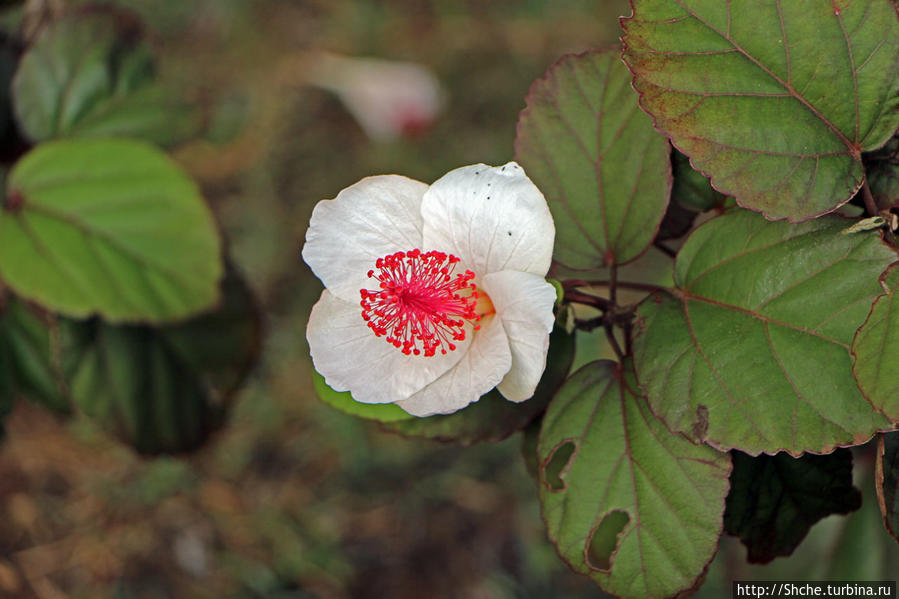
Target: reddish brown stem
point(870, 204)
point(571, 283)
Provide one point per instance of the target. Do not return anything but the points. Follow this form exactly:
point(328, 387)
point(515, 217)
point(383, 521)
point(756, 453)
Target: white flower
point(434, 294)
point(387, 98)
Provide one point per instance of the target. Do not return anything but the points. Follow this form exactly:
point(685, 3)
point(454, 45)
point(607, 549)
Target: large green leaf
point(493, 417)
point(876, 347)
point(776, 101)
point(163, 389)
point(28, 365)
point(91, 74)
point(750, 350)
point(626, 502)
point(775, 500)
point(887, 481)
point(594, 154)
point(109, 227)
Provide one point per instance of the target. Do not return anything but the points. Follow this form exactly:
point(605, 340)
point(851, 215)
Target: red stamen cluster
point(422, 305)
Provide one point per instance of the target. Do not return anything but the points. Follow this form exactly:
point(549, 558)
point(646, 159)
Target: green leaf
point(882, 169)
point(751, 349)
point(775, 500)
point(886, 480)
point(343, 401)
point(776, 101)
point(91, 74)
point(876, 346)
point(604, 171)
point(27, 361)
point(493, 417)
point(109, 227)
point(626, 502)
point(691, 189)
point(166, 389)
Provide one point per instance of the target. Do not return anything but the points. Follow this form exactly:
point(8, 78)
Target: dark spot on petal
point(510, 233)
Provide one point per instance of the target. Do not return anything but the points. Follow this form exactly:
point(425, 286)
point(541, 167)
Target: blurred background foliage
point(292, 498)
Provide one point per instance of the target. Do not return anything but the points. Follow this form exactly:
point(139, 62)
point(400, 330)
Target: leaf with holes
point(626, 502)
point(750, 350)
point(109, 227)
point(604, 171)
point(887, 481)
point(876, 346)
point(776, 101)
point(91, 74)
point(493, 417)
point(163, 389)
point(775, 500)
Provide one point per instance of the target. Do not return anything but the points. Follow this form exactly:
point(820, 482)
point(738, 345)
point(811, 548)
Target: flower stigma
point(421, 304)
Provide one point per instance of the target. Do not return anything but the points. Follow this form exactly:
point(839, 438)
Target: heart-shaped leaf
point(626, 502)
point(493, 417)
point(775, 500)
point(594, 154)
point(876, 347)
point(163, 389)
point(91, 74)
point(776, 101)
point(751, 349)
point(109, 227)
point(887, 481)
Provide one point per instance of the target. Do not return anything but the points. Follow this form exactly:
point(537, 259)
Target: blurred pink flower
point(434, 294)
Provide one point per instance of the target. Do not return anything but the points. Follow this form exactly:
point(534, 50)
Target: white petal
point(366, 221)
point(524, 304)
point(480, 369)
point(493, 218)
point(347, 353)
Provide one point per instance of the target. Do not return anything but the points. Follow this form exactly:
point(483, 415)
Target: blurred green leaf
point(109, 227)
point(26, 358)
point(343, 401)
point(604, 171)
point(751, 349)
point(739, 88)
point(887, 481)
point(775, 500)
point(163, 389)
point(91, 74)
point(876, 346)
point(493, 418)
point(636, 508)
